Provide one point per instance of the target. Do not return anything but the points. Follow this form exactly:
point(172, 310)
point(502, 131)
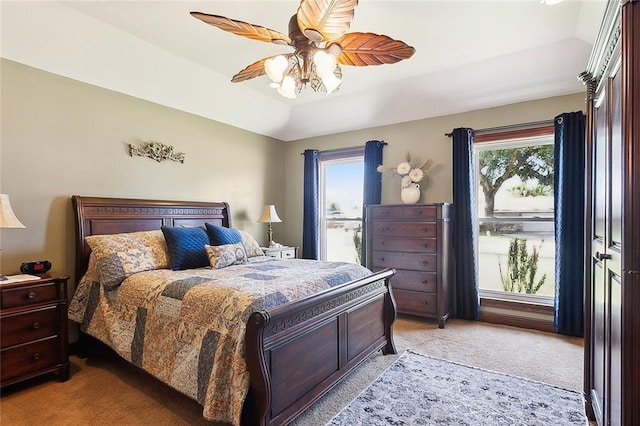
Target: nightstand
point(33, 320)
point(281, 252)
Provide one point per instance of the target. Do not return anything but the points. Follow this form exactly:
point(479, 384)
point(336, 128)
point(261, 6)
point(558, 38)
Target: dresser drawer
point(412, 261)
point(415, 302)
point(426, 245)
point(413, 280)
point(28, 358)
point(25, 327)
point(404, 229)
point(405, 212)
point(29, 295)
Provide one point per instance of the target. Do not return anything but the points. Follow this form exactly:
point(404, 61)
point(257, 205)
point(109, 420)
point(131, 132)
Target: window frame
point(335, 156)
point(507, 301)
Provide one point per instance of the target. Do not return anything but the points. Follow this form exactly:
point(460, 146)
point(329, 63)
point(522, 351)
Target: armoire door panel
point(615, 342)
point(600, 167)
point(615, 162)
point(599, 336)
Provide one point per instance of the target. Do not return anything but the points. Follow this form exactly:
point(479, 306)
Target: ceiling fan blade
point(325, 20)
point(254, 32)
point(361, 49)
point(254, 70)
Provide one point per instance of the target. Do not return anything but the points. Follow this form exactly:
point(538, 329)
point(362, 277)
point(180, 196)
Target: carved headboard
point(100, 216)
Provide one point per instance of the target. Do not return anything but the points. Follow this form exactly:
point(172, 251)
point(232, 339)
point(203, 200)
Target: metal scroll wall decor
point(157, 151)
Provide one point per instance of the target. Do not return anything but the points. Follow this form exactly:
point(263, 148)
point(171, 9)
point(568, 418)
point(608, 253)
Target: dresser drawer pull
point(36, 325)
point(36, 356)
point(425, 281)
point(31, 295)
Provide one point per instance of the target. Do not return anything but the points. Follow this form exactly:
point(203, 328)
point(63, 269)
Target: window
point(516, 244)
point(341, 182)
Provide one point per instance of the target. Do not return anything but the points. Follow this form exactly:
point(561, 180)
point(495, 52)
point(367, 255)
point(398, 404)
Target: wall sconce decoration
point(156, 151)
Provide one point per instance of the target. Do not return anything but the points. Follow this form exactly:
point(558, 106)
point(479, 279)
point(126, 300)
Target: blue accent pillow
point(219, 235)
point(186, 247)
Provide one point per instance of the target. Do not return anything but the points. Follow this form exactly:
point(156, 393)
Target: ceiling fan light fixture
point(331, 82)
point(325, 63)
point(275, 68)
point(288, 87)
point(321, 45)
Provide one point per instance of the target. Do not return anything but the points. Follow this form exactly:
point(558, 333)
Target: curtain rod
point(339, 150)
point(511, 126)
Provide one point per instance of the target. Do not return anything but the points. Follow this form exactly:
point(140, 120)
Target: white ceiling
point(469, 55)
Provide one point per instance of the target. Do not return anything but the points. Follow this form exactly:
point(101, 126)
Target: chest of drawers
point(33, 321)
point(414, 240)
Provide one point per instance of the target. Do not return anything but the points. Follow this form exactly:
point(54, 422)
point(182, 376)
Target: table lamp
point(269, 215)
point(8, 218)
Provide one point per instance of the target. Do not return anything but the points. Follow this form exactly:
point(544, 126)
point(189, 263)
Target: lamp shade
point(8, 218)
point(269, 214)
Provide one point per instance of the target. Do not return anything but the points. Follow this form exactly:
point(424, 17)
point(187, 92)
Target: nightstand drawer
point(415, 302)
point(280, 252)
point(288, 254)
point(29, 295)
point(25, 327)
point(28, 358)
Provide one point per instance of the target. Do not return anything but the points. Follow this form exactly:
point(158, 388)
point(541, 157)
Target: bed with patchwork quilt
point(254, 339)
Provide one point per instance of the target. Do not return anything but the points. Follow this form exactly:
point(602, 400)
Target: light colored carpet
point(107, 390)
point(421, 390)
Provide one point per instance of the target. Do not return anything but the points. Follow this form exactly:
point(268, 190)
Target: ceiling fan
point(321, 43)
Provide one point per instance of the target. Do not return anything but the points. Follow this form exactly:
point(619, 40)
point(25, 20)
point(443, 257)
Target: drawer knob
point(36, 325)
point(31, 295)
point(425, 282)
point(36, 356)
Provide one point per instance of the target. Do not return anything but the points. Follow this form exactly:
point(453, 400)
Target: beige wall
point(61, 137)
point(424, 139)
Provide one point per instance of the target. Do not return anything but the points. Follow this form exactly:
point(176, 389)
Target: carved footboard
point(298, 352)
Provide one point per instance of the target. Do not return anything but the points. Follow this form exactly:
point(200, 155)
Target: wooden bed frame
point(296, 352)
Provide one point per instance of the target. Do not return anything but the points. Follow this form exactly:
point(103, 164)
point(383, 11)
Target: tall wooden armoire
point(612, 279)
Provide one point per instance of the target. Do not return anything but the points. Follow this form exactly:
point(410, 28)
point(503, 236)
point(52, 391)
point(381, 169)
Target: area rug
point(421, 390)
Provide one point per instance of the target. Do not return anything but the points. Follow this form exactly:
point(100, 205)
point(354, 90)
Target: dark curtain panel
point(569, 222)
point(310, 242)
point(372, 191)
point(466, 301)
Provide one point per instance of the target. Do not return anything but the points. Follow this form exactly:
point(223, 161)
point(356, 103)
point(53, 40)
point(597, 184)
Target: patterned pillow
point(219, 235)
point(118, 256)
point(186, 247)
point(226, 255)
point(251, 245)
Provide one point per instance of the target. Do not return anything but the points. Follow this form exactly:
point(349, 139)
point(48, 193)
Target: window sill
point(524, 311)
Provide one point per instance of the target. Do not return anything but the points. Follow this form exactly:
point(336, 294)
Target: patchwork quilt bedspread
point(187, 327)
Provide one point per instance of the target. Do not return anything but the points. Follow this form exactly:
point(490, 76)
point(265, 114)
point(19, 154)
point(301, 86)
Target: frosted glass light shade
point(288, 87)
point(275, 68)
point(8, 218)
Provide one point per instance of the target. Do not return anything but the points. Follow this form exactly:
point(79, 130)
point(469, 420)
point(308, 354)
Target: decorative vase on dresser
point(410, 194)
point(413, 239)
